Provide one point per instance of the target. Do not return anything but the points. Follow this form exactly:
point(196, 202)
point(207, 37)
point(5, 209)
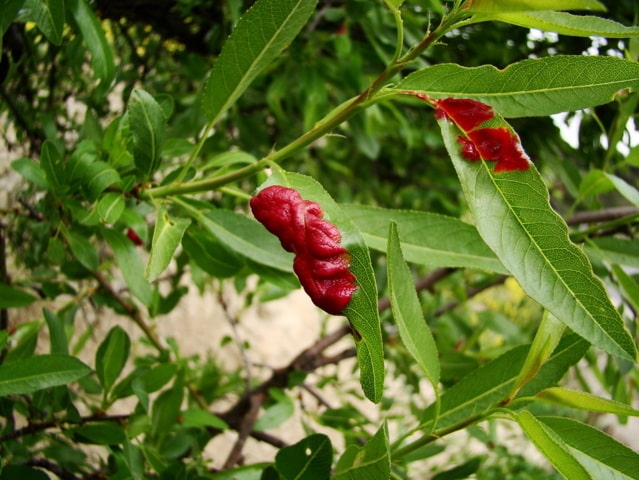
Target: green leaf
point(31, 171)
point(546, 340)
point(602, 456)
point(481, 6)
point(427, 239)
point(7, 14)
point(82, 249)
point(514, 217)
point(202, 418)
point(491, 384)
point(533, 87)
point(362, 310)
point(597, 182)
point(247, 238)
point(130, 264)
point(110, 207)
point(148, 126)
point(309, 459)
point(209, 254)
point(565, 23)
point(628, 285)
point(166, 408)
point(101, 55)
point(276, 413)
point(372, 462)
point(463, 471)
point(111, 357)
point(407, 311)
point(166, 238)
point(99, 434)
point(48, 15)
point(96, 177)
point(584, 401)
point(259, 37)
point(57, 335)
point(11, 297)
point(51, 164)
point(31, 374)
point(622, 251)
point(552, 446)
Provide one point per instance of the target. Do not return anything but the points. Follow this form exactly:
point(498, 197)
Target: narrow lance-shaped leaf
point(564, 23)
point(111, 356)
point(514, 217)
point(48, 16)
point(552, 446)
point(39, 372)
point(259, 37)
point(166, 238)
point(476, 6)
point(584, 401)
point(310, 458)
point(361, 310)
point(533, 87)
point(371, 462)
point(427, 239)
point(603, 457)
point(407, 311)
point(91, 29)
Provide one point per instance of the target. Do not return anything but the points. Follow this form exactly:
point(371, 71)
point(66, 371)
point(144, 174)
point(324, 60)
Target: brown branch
point(604, 215)
point(246, 427)
point(471, 292)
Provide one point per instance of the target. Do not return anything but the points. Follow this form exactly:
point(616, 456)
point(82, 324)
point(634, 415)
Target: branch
point(604, 215)
point(53, 468)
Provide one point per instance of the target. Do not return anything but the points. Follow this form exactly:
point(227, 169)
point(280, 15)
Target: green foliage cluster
point(492, 298)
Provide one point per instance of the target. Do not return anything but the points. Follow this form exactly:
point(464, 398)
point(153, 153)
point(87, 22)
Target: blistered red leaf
point(501, 146)
point(467, 114)
point(468, 149)
point(321, 263)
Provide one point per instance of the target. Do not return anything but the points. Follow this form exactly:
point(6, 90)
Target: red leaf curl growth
point(321, 263)
point(491, 144)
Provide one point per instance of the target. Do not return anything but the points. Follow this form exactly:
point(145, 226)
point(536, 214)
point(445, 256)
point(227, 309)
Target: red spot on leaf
point(134, 237)
point(321, 263)
point(466, 113)
point(491, 144)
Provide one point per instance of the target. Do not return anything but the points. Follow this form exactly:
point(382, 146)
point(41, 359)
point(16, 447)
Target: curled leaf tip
point(321, 263)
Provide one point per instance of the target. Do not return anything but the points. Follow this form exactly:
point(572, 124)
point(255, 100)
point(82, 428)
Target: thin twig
point(427, 282)
point(232, 321)
point(604, 215)
point(53, 468)
point(471, 292)
point(246, 427)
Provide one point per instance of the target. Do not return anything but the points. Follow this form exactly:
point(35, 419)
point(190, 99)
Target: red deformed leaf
point(498, 144)
point(321, 263)
point(466, 113)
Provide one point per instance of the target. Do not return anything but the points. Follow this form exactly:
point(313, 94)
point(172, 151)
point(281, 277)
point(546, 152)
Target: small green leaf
point(481, 6)
point(552, 446)
point(602, 457)
point(308, 459)
point(31, 171)
point(82, 249)
point(565, 24)
point(166, 239)
point(514, 217)
point(597, 182)
point(57, 335)
point(532, 87)
point(277, 413)
point(166, 409)
point(362, 310)
point(110, 207)
point(546, 340)
point(148, 126)
point(48, 15)
point(102, 59)
point(372, 462)
point(629, 286)
point(96, 177)
point(39, 372)
point(202, 418)
point(111, 357)
point(407, 311)
point(99, 434)
point(259, 37)
point(51, 164)
point(11, 297)
point(427, 239)
point(584, 401)
point(130, 264)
